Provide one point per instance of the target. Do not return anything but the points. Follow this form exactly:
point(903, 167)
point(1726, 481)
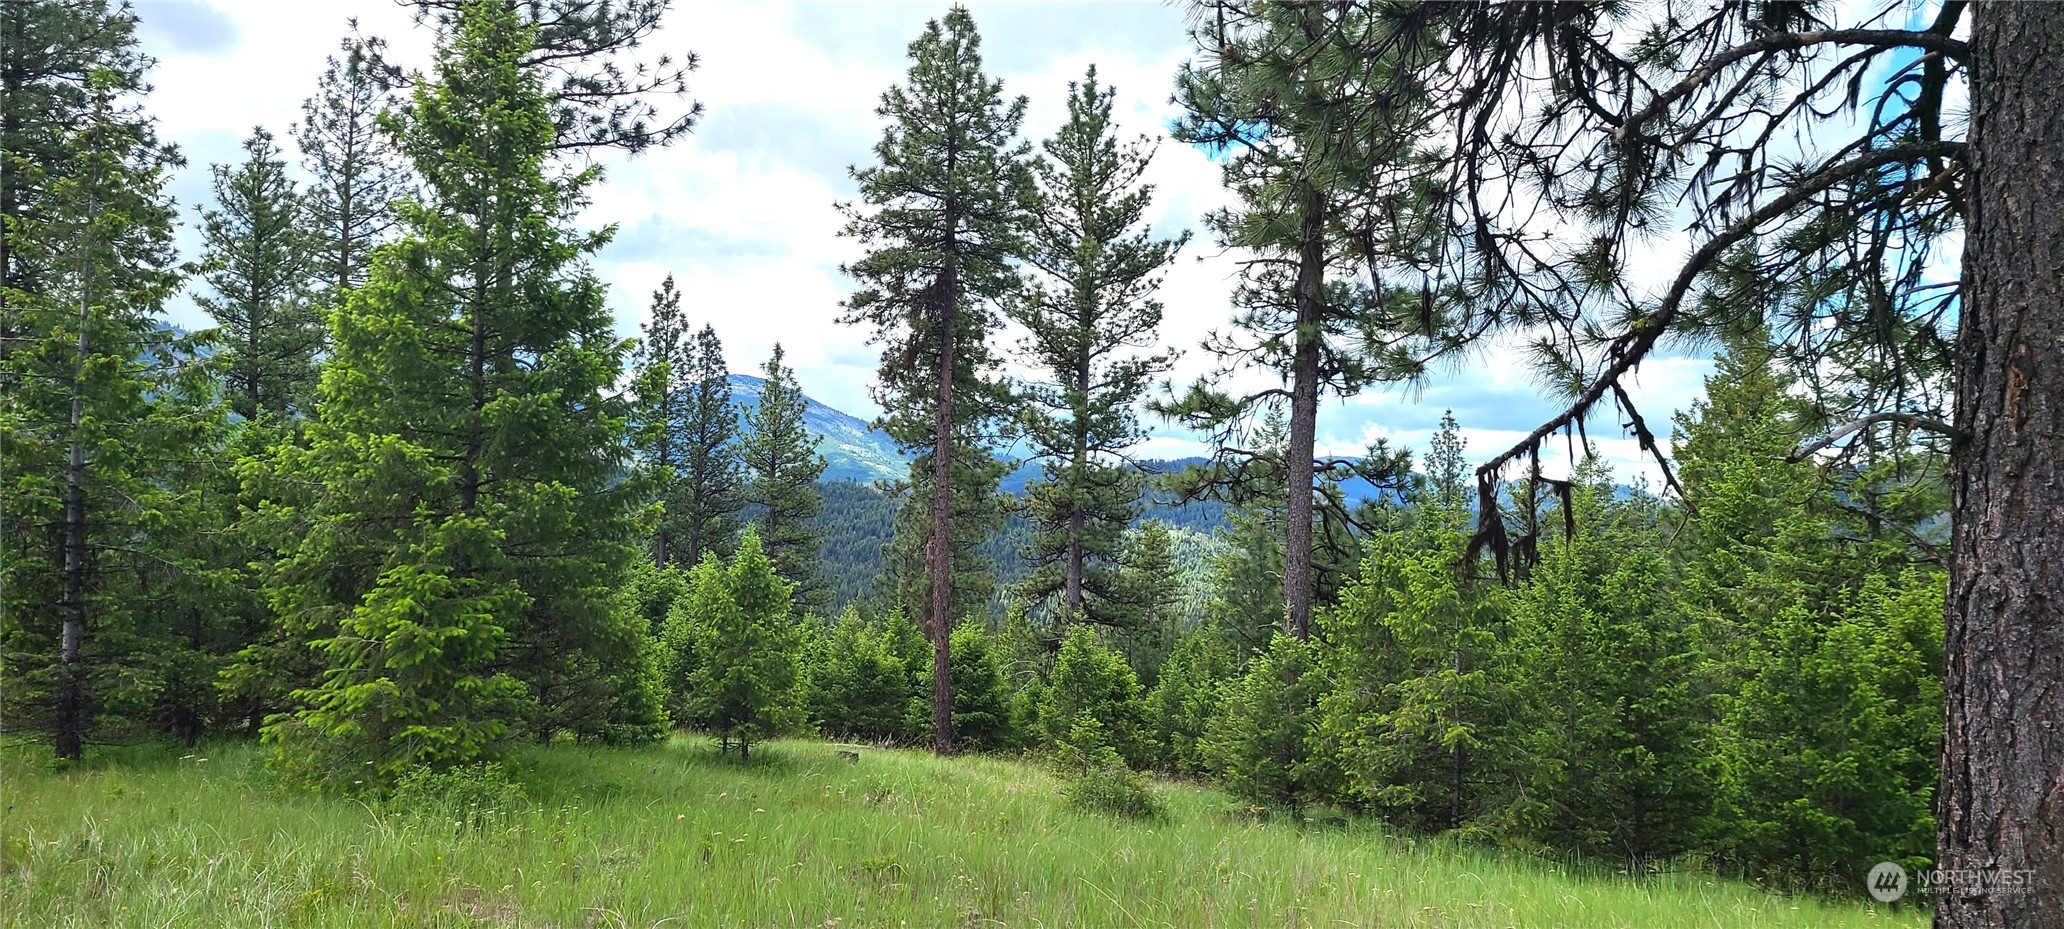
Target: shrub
point(1095, 779)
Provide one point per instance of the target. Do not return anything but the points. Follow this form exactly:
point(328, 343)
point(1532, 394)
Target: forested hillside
point(425, 494)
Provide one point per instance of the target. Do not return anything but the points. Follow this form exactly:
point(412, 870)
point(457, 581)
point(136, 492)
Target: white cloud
point(742, 212)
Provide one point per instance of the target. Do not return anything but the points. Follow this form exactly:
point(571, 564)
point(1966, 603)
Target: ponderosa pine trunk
point(939, 550)
point(2001, 805)
point(1304, 422)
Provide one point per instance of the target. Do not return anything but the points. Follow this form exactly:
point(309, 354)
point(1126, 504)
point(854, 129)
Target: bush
point(1096, 779)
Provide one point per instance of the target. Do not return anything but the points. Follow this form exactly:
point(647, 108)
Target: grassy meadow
point(673, 836)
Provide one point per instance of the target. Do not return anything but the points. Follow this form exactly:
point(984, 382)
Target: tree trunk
point(939, 548)
point(469, 470)
point(2001, 806)
point(11, 82)
point(1304, 422)
point(1072, 594)
point(1078, 480)
point(11, 85)
point(71, 723)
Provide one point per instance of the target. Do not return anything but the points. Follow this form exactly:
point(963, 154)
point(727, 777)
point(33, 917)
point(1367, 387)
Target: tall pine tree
point(1324, 209)
point(358, 173)
point(256, 262)
point(941, 227)
point(781, 471)
point(1092, 315)
point(707, 492)
point(99, 413)
point(661, 410)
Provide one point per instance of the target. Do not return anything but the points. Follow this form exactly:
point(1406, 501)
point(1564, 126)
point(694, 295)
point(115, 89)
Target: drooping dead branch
point(1852, 427)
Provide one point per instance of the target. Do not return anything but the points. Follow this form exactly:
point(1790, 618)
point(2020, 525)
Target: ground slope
point(671, 836)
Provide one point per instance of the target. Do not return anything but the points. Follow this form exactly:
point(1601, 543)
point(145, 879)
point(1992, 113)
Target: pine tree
point(256, 260)
point(359, 175)
point(1613, 730)
point(707, 485)
point(1326, 207)
point(1185, 703)
point(100, 417)
point(941, 230)
point(782, 468)
point(1153, 584)
point(1090, 310)
point(705, 601)
point(602, 94)
point(464, 528)
point(861, 690)
point(1417, 714)
point(1263, 746)
point(50, 51)
point(744, 683)
point(662, 409)
point(1819, 652)
point(982, 717)
point(1089, 679)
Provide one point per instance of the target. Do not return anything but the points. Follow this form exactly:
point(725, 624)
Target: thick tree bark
point(2001, 806)
point(1304, 422)
point(939, 550)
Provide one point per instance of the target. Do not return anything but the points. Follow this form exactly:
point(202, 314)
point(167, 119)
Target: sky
point(743, 214)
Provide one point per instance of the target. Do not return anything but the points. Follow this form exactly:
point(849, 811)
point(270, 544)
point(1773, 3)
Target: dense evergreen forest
point(412, 499)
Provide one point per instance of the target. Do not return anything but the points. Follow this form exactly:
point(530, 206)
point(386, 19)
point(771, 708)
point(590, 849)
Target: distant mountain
point(857, 452)
point(852, 450)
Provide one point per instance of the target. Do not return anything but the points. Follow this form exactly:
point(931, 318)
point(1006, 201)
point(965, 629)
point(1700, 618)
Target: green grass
point(672, 836)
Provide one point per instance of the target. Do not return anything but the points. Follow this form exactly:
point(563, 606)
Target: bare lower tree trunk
point(939, 550)
point(2001, 806)
point(1304, 423)
point(71, 723)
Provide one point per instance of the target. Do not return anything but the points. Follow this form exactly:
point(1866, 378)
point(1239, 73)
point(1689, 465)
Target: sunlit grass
point(672, 836)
